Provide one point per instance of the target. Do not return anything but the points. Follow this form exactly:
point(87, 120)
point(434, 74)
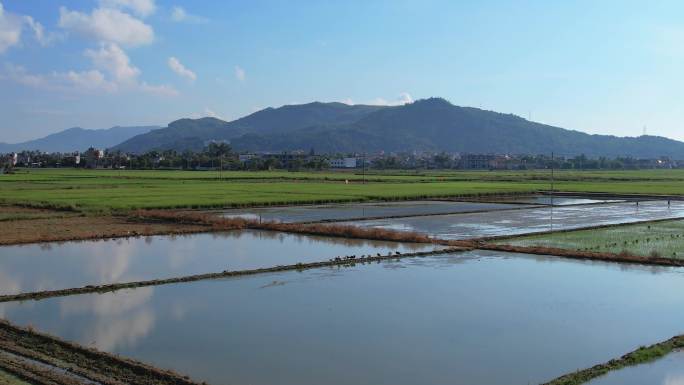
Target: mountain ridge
point(431, 124)
point(78, 139)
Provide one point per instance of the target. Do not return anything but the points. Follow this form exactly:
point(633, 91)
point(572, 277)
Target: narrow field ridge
point(641, 355)
point(351, 261)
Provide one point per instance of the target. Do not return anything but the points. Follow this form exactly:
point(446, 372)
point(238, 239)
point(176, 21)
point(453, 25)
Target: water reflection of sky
point(74, 264)
point(351, 211)
point(437, 320)
point(668, 370)
point(511, 222)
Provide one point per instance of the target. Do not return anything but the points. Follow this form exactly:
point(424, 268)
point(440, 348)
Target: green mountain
point(431, 124)
point(193, 134)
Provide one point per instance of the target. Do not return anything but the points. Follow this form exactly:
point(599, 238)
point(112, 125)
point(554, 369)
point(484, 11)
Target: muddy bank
point(338, 261)
point(29, 349)
point(37, 373)
point(12, 213)
point(639, 356)
point(70, 228)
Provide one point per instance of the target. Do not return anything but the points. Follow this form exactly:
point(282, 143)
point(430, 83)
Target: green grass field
point(665, 239)
point(121, 190)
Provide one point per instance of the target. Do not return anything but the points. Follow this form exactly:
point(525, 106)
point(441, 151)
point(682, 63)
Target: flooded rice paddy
point(337, 212)
point(531, 220)
point(668, 370)
point(53, 266)
point(559, 200)
point(468, 318)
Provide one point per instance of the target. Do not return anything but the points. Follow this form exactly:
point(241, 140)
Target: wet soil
point(72, 228)
point(44, 359)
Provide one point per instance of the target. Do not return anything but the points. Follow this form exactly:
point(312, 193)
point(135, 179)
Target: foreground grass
point(103, 190)
point(661, 239)
point(639, 356)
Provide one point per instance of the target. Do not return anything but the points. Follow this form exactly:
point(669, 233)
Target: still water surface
point(470, 318)
point(560, 200)
point(511, 222)
point(668, 370)
point(54, 266)
point(362, 210)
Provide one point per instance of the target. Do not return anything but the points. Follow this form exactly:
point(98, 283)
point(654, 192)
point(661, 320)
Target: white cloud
point(161, 90)
point(240, 74)
point(180, 15)
point(347, 101)
point(111, 58)
point(38, 30)
point(21, 76)
point(12, 26)
point(107, 25)
point(113, 72)
point(92, 80)
point(177, 67)
point(89, 80)
point(10, 30)
point(142, 8)
point(207, 112)
point(400, 100)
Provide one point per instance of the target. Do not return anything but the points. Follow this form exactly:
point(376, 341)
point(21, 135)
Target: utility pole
point(364, 167)
point(552, 176)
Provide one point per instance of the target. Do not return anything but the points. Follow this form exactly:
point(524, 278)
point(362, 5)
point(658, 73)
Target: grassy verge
point(642, 355)
point(651, 239)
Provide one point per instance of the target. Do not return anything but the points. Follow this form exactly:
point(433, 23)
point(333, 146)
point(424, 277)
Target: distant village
point(220, 156)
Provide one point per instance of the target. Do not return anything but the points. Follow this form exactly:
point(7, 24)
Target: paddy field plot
point(348, 211)
point(664, 239)
point(555, 200)
point(533, 220)
point(466, 318)
point(116, 190)
point(53, 266)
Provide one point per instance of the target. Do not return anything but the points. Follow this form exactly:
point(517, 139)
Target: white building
point(343, 163)
point(246, 157)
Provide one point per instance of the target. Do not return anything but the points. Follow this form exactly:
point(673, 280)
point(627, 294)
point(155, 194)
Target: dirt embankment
point(72, 228)
point(52, 358)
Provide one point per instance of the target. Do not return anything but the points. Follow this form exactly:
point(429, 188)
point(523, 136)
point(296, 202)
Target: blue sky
point(608, 67)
